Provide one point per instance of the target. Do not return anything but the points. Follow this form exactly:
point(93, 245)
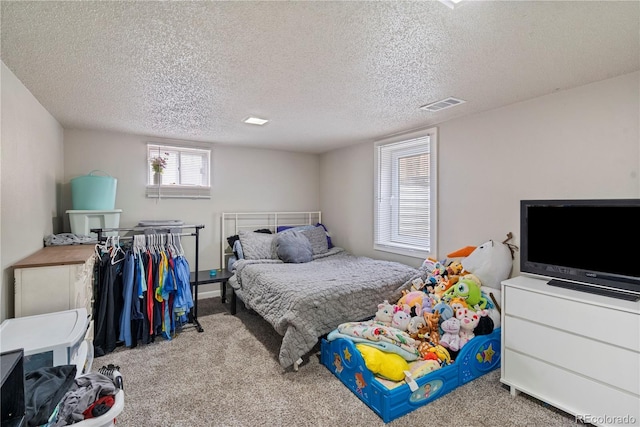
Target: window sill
point(400, 250)
point(177, 192)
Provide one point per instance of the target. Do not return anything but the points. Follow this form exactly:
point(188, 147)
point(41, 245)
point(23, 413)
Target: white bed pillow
point(257, 245)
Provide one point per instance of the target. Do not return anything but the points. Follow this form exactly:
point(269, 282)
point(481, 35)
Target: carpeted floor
point(229, 375)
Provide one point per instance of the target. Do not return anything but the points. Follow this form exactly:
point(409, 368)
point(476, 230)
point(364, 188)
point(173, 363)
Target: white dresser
point(55, 278)
point(577, 351)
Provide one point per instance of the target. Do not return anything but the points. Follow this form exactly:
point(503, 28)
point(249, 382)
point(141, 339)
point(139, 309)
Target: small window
point(405, 211)
point(175, 172)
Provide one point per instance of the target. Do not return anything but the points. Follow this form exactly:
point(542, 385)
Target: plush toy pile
point(427, 327)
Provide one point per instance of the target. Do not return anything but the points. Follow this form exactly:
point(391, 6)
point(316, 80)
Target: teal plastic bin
point(94, 192)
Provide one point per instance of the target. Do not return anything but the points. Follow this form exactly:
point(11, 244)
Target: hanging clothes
point(137, 317)
point(109, 302)
point(127, 296)
point(184, 300)
point(142, 292)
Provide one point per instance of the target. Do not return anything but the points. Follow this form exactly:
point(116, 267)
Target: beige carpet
point(229, 375)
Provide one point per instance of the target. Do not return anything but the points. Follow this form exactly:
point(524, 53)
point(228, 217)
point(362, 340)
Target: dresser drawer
point(588, 320)
point(589, 358)
point(570, 392)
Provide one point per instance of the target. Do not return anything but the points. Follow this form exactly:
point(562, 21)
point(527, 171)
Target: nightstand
point(222, 276)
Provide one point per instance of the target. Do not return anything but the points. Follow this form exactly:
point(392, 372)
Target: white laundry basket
point(109, 417)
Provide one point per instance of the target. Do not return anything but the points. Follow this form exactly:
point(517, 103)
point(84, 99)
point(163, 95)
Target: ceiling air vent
point(442, 104)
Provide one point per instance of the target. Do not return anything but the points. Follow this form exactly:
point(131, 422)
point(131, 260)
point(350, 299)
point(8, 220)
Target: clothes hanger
point(138, 244)
point(101, 248)
point(172, 247)
point(150, 246)
point(180, 248)
point(116, 250)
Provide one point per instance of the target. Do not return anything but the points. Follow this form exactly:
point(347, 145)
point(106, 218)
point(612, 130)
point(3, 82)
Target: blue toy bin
point(94, 192)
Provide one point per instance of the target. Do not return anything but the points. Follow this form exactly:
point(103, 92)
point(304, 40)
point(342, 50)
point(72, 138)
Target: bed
point(392, 400)
point(394, 382)
point(389, 399)
point(306, 300)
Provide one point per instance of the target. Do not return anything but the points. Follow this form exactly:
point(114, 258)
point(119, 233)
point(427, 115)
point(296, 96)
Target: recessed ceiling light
point(451, 4)
point(255, 121)
point(442, 104)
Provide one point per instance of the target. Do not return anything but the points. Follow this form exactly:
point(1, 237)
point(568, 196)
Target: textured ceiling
point(327, 74)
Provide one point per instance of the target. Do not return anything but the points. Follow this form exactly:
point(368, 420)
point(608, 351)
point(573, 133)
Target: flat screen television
point(586, 245)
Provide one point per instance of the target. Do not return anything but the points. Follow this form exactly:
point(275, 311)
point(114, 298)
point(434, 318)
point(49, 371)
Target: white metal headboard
point(232, 223)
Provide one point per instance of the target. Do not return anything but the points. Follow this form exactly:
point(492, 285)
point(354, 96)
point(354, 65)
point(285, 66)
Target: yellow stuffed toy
point(387, 365)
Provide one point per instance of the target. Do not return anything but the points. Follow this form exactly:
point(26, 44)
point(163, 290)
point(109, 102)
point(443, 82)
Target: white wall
point(243, 180)
point(346, 198)
point(31, 175)
point(578, 143)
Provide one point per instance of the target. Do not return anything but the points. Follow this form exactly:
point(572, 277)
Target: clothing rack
point(166, 229)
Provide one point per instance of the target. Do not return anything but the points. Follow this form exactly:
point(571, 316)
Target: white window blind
point(405, 196)
point(186, 172)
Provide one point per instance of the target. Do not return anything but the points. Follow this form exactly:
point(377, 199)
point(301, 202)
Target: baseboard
point(208, 294)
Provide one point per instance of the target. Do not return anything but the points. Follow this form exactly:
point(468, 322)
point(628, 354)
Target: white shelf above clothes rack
point(166, 229)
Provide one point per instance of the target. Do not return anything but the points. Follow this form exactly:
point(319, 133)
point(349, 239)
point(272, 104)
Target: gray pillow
point(318, 239)
point(257, 245)
point(292, 246)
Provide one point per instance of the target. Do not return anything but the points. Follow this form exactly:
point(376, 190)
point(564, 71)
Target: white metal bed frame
point(233, 222)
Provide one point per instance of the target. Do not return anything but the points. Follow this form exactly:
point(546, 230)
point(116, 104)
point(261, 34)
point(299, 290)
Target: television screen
point(595, 242)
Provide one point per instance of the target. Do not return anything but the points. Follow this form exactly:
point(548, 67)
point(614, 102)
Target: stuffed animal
point(457, 303)
point(415, 301)
point(491, 262)
point(428, 264)
point(442, 286)
point(468, 322)
point(472, 277)
point(462, 252)
point(415, 324)
point(468, 290)
point(454, 269)
point(423, 350)
point(445, 310)
point(451, 337)
point(417, 284)
point(387, 365)
point(432, 320)
point(401, 320)
point(441, 353)
point(423, 333)
point(485, 325)
point(385, 313)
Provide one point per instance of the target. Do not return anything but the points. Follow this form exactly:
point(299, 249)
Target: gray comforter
point(305, 301)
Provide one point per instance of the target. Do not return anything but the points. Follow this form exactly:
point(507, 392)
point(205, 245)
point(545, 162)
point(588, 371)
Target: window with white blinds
point(405, 220)
point(185, 172)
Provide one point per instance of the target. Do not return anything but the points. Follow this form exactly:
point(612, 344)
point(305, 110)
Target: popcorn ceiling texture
point(326, 74)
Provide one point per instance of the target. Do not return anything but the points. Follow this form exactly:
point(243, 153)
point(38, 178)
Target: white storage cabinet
point(51, 339)
point(56, 278)
point(577, 351)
